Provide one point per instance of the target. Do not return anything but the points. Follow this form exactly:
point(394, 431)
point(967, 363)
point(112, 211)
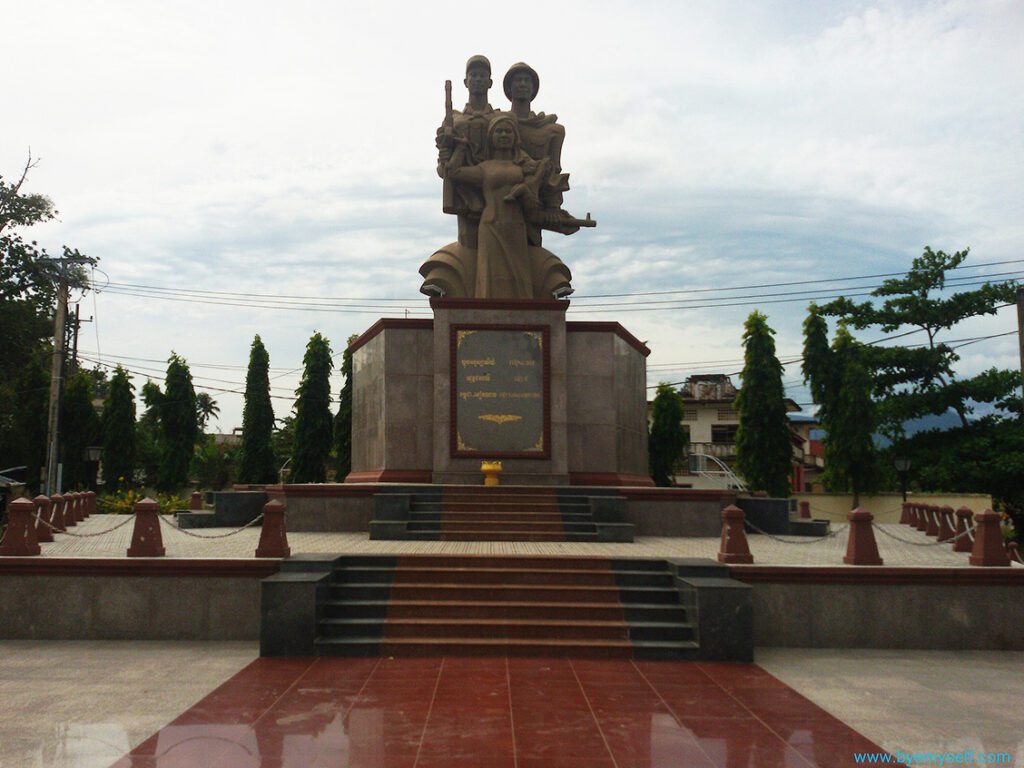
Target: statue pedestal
point(556, 402)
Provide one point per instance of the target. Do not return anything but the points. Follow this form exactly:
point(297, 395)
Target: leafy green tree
point(910, 382)
point(764, 453)
point(80, 428)
point(283, 443)
point(28, 292)
point(213, 464)
point(667, 438)
point(23, 433)
point(256, 463)
point(119, 432)
point(206, 408)
point(178, 427)
point(313, 422)
point(343, 420)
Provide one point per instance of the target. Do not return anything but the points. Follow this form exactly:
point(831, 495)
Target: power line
point(280, 297)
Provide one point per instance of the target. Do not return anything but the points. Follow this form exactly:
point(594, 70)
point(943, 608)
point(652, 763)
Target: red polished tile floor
point(497, 712)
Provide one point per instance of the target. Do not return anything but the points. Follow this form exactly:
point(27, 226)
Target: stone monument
point(498, 373)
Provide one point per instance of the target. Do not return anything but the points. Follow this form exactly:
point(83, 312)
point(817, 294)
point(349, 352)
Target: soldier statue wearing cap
point(532, 195)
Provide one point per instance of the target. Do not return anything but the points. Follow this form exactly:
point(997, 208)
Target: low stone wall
point(886, 507)
point(327, 507)
point(675, 511)
point(926, 608)
point(97, 599)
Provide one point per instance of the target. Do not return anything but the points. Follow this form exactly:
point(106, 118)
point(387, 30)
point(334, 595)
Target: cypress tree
point(764, 454)
point(343, 421)
point(818, 367)
point(178, 426)
point(850, 456)
point(256, 463)
point(313, 421)
point(80, 428)
point(667, 439)
point(119, 432)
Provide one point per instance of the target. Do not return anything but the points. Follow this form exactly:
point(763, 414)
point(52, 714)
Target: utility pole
point(60, 318)
point(56, 381)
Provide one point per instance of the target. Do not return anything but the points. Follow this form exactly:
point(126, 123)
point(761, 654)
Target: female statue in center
point(509, 180)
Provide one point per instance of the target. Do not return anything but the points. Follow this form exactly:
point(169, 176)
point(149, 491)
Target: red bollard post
point(44, 534)
point(932, 526)
point(988, 547)
point(274, 536)
point(861, 547)
point(88, 499)
point(963, 522)
point(733, 548)
point(922, 517)
point(57, 512)
point(79, 513)
point(196, 502)
point(946, 524)
point(905, 514)
point(147, 540)
point(68, 509)
point(805, 510)
point(20, 537)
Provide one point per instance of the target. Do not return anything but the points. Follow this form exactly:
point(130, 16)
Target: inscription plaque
point(499, 392)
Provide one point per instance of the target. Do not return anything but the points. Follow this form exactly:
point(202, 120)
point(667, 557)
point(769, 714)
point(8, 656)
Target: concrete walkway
point(899, 545)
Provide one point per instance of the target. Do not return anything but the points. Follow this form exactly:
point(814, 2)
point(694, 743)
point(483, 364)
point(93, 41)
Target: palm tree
point(206, 407)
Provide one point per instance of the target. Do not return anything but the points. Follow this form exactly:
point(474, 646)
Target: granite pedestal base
point(415, 397)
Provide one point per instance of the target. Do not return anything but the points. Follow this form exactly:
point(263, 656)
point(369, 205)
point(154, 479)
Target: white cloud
point(255, 148)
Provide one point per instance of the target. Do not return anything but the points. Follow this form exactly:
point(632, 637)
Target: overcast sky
point(287, 149)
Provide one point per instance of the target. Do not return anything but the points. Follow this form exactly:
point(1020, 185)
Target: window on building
point(727, 414)
point(723, 433)
point(689, 414)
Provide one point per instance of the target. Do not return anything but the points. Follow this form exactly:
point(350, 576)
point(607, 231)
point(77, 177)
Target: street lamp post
point(902, 466)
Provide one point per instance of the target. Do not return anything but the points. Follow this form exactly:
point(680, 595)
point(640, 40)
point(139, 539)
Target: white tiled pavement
point(909, 548)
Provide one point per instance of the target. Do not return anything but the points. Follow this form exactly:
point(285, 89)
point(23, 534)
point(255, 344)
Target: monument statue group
point(503, 180)
point(498, 373)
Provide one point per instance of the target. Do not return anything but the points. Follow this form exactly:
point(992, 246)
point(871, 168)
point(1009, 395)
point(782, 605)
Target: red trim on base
point(679, 494)
point(531, 305)
point(160, 566)
point(597, 326)
point(616, 479)
point(802, 574)
point(402, 323)
point(390, 476)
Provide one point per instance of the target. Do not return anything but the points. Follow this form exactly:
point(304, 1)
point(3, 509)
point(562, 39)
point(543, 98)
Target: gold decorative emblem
point(499, 418)
point(461, 336)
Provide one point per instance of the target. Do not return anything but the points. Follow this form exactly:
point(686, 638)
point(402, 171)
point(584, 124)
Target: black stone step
point(635, 613)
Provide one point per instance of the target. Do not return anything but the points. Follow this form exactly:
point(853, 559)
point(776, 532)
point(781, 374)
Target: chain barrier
point(187, 532)
point(803, 539)
point(968, 532)
point(55, 529)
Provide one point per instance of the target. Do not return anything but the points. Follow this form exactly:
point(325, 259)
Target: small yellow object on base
point(491, 470)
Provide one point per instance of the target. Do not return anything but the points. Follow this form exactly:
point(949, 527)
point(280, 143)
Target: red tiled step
point(506, 576)
point(455, 562)
point(520, 593)
point(482, 609)
point(460, 534)
point(462, 646)
point(505, 628)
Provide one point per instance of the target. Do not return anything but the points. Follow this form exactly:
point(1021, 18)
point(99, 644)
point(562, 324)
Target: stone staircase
point(471, 605)
point(475, 513)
